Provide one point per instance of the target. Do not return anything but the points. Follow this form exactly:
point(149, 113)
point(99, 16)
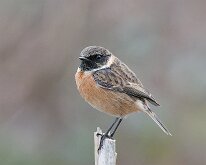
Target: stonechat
point(109, 86)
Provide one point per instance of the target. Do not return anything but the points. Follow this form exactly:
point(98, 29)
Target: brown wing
point(110, 79)
point(124, 72)
point(105, 78)
point(139, 92)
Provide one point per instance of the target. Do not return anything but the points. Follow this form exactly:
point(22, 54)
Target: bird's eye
point(98, 57)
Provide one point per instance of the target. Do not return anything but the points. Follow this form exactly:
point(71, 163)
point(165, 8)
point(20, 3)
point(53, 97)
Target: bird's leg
point(107, 132)
point(106, 135)
point(112, 134)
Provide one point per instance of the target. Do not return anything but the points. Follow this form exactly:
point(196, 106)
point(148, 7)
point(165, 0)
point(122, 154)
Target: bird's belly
point(113, 103)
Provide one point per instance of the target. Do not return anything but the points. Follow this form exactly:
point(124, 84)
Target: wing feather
point(119, 81)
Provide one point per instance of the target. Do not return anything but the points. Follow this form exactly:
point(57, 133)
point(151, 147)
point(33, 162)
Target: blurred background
point(43, 119)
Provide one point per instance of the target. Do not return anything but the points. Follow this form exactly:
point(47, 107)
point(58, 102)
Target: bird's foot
point(103, 137)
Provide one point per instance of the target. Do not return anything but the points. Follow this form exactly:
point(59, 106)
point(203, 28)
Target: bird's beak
point(84, 58)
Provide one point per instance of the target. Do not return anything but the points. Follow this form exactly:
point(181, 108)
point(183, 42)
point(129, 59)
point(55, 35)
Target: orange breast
point(113, 103)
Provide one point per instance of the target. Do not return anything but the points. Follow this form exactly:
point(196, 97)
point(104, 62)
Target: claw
point(99, 134)
point(101, 142)
point(103, 137)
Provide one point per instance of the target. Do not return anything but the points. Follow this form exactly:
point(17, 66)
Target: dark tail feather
point(158, 121)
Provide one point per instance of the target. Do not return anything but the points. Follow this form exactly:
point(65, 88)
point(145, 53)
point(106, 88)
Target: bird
point(110, 86)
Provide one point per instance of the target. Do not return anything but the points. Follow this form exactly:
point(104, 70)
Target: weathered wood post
point(107, 155)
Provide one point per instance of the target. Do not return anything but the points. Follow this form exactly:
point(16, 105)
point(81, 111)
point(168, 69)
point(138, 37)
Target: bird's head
point(94, 57)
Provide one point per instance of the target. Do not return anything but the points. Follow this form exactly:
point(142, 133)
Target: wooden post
point(107, 155)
